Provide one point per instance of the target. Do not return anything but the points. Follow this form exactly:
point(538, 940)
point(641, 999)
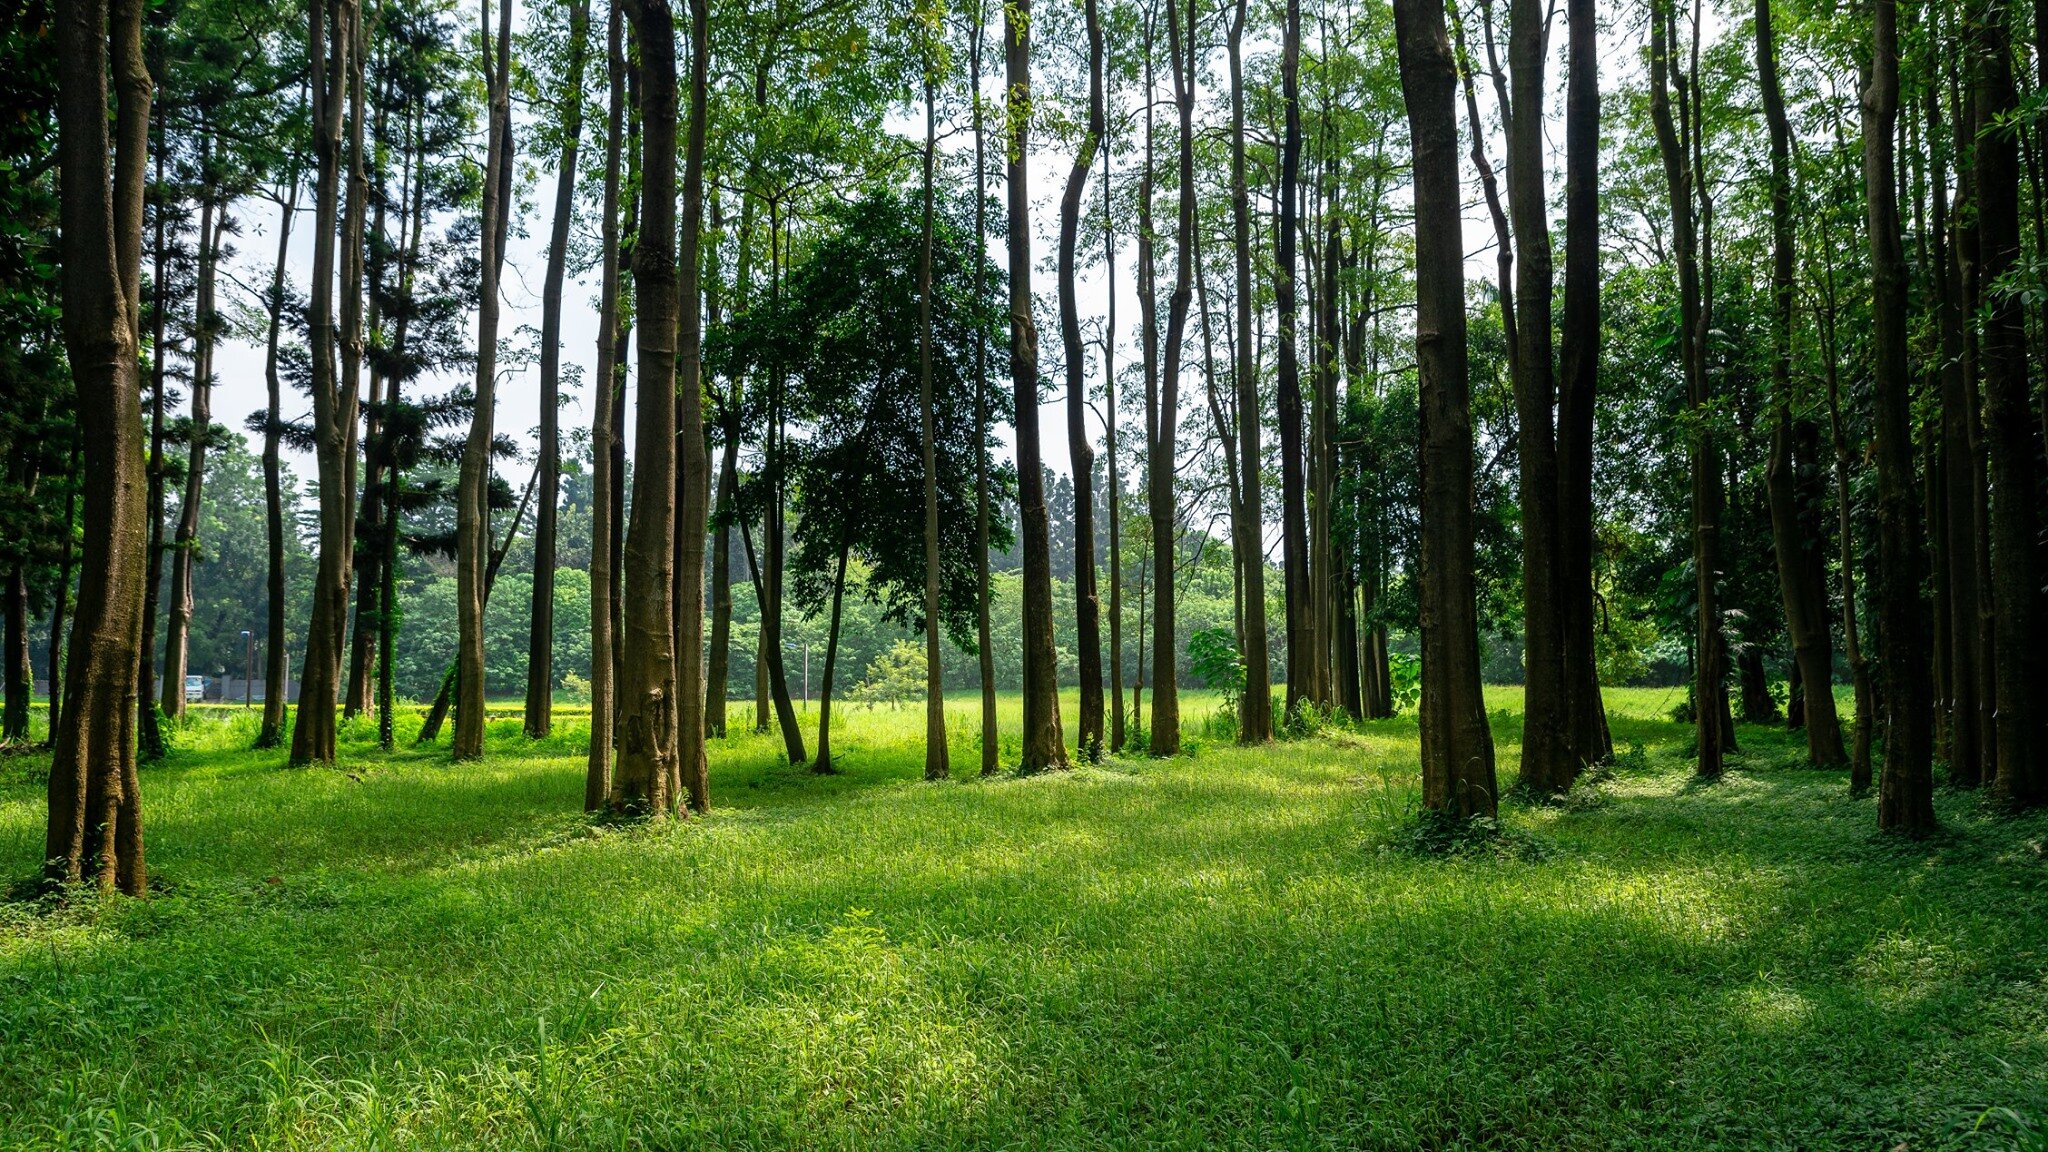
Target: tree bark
point(609, 386)
point(1087, 603)
point(540, 649)
point(823, 764)
point(276, 665)
point(647, 686)
point(2021, 775)
point(1247, 532)
point(1799, 541)
point(1044, 746)
point(473, 514)
point(1457, 747)
point(937, 763)
point(213, 223)
point(1293, 485)
point(1709, 670)
point(331, 26)
point(1905, 785)
point(695, 501)
point(95, 808)
point(1159, 454)
point(1578, 382)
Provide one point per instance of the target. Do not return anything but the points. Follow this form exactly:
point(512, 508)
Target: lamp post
point(248, 669)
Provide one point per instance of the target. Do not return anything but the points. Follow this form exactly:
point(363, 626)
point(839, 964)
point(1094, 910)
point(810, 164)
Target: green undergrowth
point(1232, 949)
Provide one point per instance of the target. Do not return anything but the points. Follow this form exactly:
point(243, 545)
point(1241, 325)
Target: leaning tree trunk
point(95, 814)
point(1087, 604)
point(1905, 785)
point(540, 649)
point(1457, 747)
point(1044, 746)
point(472, 498)
point(647, 685)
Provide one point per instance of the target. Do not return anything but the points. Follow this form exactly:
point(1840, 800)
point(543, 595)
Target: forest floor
point(1234, 949)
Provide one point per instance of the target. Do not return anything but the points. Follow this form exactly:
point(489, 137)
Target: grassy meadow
point(1235, 949)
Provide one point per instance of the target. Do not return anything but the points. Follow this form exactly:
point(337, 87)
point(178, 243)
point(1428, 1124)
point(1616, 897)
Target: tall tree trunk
point(647, 685)
point(1293, 493)
point(62, 599)
point(2021, 776)
point(95, 813)
point(719, 669)
point(1044, 746)
point(334, 401)
point(937, 764)
point(1548, 764)
point(1970, 712)
point(213, 223)
point(1112, 466)
point(1159, 454)
point(276, 665)
point(150, 736)
point(1087, 604)
point(823, 764)
point(990, 737)
point(1800, 542)
point(540, 650)
point(1578, 381)
point(1457, 747)
point(1247, 533)
point(695, 506)
point(610, 388)
point(1709, 673)
point(473, 514)
point(1905, 786)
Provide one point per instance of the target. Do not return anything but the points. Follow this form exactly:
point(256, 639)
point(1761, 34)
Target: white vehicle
point(195, 689)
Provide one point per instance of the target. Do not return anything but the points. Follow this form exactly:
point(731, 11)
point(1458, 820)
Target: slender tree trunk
point(936, 761)
point(1293, 493)
point(720, 662)
point(95, 812)
point(695, 502)
point(150, 736)
point(276, 667)
point(609, 385)
point(1159, 455)
point(451, 680)
point(1800, 542)
point(823, 764)
point(473, 515)
point(1247, 536)
point(1044, 746)
point(1708, 668)
point(21, 677)
point(213, 223)
point(1457, 747)
point(62, 598)
point(1087, 604)
point(991, 739)
point(1112, 466)
point(540, 650)
point(1578, 381)
point(1905, 786)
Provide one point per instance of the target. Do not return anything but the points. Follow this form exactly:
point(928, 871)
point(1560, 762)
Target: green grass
point(1234, 949)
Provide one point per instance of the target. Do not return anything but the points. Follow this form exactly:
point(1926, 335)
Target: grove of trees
point(1321, 400)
